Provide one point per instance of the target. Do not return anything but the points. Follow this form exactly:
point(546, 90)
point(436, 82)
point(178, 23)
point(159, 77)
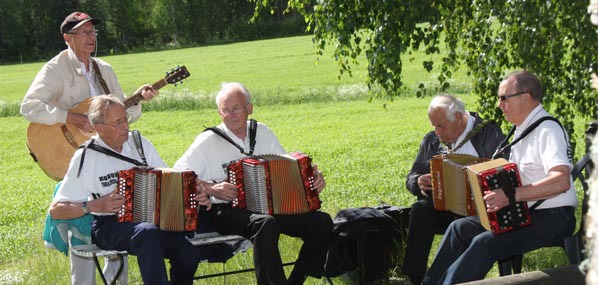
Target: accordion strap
point(91, 145)
point(139, 146)
point(504, 145)
point(507, 186)
point(252, 133)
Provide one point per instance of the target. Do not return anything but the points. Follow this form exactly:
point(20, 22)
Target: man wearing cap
point(65, 81)
point(74, 76)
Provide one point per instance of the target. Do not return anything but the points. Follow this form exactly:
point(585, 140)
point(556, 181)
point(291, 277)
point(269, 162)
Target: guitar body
point(53, 146)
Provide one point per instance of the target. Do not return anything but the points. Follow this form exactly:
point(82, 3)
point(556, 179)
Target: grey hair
point(449, 103)
point(228, 87)
point(99, 107)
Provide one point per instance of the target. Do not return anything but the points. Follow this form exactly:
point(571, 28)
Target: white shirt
point(467, 148)
point(546, 147)
point(100, 171)
point(90, 74)
point(209, 152)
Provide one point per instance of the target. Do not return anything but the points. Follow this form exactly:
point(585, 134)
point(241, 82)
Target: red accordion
point(160, 196)
point(494, 174)
point(274, 184)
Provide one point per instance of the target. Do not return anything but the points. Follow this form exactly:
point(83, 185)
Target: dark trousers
point(424, 223)
point(314, 228)
point(151, 246)
point(468, 251)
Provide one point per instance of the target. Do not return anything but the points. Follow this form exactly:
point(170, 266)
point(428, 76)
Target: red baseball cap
point(75, 20)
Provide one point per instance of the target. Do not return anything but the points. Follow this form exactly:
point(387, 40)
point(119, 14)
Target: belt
point(221, 206)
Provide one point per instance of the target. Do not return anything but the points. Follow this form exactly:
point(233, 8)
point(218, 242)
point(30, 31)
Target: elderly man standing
point(543, 157)
point(462, 132)
point(206, 156)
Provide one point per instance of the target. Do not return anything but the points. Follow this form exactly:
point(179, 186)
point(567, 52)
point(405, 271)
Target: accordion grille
point(256, 194)
point(144, 197)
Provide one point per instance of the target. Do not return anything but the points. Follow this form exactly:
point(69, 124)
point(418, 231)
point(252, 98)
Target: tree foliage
point(29, 29)
point(552, 38)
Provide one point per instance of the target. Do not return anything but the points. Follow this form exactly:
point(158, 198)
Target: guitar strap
point(96, 68)
point(90, 144)
point(252, 133)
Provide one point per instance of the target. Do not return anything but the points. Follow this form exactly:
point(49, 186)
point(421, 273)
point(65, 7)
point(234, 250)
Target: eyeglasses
point(236, 110)
point(120, 123)
point(504, 98)
point(85, 33)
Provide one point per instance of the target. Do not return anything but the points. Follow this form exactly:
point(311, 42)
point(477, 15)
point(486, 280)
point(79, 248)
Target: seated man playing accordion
point(211, 150)
point(462, 132)
point(90, 187)
point(543, 156)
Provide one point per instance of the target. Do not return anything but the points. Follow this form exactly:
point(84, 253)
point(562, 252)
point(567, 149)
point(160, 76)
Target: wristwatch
point(84, 206)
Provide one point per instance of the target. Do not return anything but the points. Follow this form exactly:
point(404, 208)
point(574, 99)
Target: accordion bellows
point(450, 187)
point(161, 196)
point(274, 184)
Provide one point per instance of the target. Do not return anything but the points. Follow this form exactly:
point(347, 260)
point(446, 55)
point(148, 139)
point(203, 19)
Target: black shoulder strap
point(91, 145)
point(139, 146)
point(504, 145)
point(252, 133)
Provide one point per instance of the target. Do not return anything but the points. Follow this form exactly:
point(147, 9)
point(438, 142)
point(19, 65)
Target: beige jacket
point(60, 85)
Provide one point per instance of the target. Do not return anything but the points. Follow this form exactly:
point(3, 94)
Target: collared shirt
point(467, 148)
point(92, 79)
point(100, 171)
point(541, 150)
point(209, 152)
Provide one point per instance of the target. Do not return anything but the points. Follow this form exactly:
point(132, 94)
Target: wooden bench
point(92, 251)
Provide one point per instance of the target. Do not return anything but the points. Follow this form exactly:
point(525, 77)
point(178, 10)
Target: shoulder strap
point(96, 68)
point(91, 145)
point(252, 133)
point(471, 133)
point(504, 146)
point(139, 146)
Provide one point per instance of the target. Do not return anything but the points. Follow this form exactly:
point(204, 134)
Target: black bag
point(364, 241)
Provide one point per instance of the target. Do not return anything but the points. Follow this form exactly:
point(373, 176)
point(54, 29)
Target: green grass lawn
point(363, 149)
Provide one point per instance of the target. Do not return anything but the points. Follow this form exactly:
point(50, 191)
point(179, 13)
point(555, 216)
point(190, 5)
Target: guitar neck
point(137, 97)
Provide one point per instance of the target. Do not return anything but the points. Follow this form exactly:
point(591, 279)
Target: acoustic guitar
point(53, 146)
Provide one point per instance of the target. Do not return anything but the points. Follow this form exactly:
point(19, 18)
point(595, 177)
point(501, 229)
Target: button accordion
point(274, 184)
point(494, 174)
point(450, 187)
point(160, 196)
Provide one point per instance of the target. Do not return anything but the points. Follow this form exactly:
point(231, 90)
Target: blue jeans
point(468, 251)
